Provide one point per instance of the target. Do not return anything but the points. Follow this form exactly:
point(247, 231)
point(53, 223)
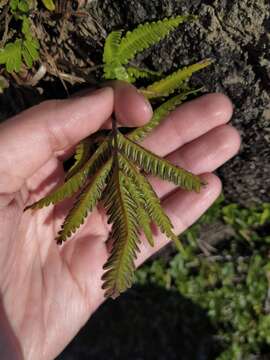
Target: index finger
point(188, 122)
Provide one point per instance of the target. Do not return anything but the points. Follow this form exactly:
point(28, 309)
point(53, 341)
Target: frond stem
point(115, 143)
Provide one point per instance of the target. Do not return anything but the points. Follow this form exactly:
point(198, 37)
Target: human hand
point(49, 292)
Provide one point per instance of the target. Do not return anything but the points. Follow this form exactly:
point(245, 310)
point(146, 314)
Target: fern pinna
point(112, 167)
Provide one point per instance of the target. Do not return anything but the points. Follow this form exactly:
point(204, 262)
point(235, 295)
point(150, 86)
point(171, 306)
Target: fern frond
point(154, 165)
point(136, 73)
point(146, 35)
point(121, 208)
point(85, 203)
point(111, 46)
point(117, 71)
point(82, 153)
point(159, 115)
point(144, 220)
point(77, 181)
point(152, 202)
point(112, 66)
point(145, 223)
point(174, 81)
point(65, 191)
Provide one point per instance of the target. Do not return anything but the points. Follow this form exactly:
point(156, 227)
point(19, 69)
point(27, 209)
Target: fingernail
point(147, 106)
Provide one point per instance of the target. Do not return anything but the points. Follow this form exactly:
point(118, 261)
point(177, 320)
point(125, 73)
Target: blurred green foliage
point(231, 282)
point(49, 4)
point(25, 47)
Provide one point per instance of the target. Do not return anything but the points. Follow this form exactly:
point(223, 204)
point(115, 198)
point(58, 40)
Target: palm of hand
point(54, 289)
point(48, 292)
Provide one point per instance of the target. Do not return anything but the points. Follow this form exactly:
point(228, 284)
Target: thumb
point(131, 108)
point(30, 139)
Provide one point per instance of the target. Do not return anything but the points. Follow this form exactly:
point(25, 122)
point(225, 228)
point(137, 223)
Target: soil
point(236, 34)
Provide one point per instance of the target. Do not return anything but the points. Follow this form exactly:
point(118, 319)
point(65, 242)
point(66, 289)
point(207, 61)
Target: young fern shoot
point(113, 167)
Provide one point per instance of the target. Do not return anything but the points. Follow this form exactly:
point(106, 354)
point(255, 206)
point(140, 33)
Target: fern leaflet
point(111, 46)
point(112, 66)
point(77, 181)
point(136, 73)
point(85, 203)
point(121, 208)
point(152, 202)
point(173, 82)
point(143, 218)
point(156, 166)
point(82, 153)
point(146, 35)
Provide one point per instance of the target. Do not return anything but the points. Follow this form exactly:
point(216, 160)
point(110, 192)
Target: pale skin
point(47, 292)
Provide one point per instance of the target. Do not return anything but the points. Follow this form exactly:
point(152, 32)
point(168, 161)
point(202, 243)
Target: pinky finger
point(183, 208)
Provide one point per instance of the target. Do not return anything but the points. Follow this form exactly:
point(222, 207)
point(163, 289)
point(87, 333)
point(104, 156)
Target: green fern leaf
point(144, 220)
point(86, 202)
point(121, 208)
point(67, 190)
point(111, 46)
point(175, 81)
point(77, 181)
point(156, 166)
point(136, 73)
point(146, 35)
point(82, 152)
point(159, 115)
point(116, 71)
point(120, 73)
point(152, 202)
point(145, 223)
point(112, 66)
